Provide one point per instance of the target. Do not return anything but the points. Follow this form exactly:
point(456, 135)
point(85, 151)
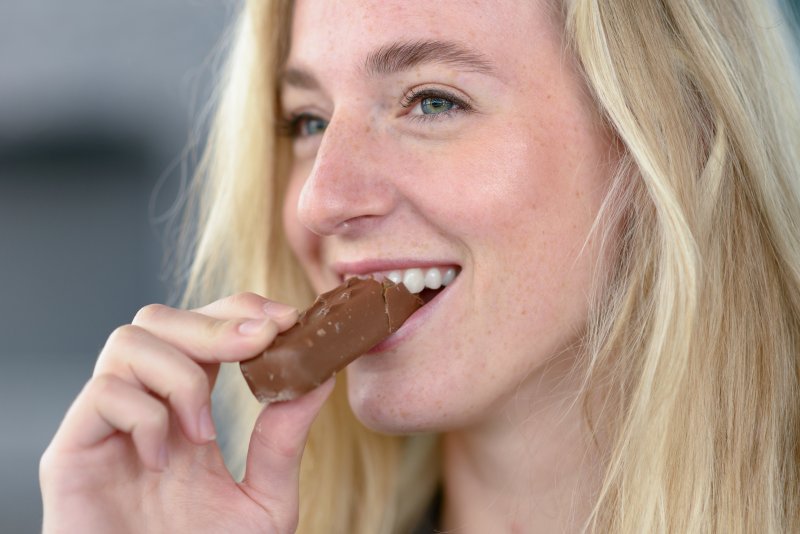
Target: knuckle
point(150, 313)
point(52, 465)
point(247, 299)
point(242, 303)
point(118, 344)
point(104, 384)
point(156, 418)
point(123, 336)
point(195, 383)
point(245, 304)
point(288, 451)
point(282, 447)
point(215, 329)
point(46, 465)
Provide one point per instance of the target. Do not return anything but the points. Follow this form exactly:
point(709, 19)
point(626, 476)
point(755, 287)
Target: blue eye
point(435, 104)
point(308, 126)
point(303, 125)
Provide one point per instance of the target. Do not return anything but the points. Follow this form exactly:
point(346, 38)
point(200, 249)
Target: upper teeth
point(417, 279)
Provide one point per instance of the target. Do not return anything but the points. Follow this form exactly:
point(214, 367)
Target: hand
point(136, 450)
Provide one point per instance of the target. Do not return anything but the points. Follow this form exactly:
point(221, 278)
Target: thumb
point(276, 446)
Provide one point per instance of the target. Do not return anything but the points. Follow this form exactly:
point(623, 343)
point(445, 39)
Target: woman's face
point(437, 135)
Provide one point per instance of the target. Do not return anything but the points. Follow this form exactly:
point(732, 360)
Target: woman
point(615, 184)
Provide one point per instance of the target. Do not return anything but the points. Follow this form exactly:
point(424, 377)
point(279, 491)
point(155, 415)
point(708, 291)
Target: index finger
point(206, 339)
point(250, 305)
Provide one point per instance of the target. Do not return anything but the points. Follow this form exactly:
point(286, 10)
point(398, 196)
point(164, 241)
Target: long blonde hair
point(695, 329)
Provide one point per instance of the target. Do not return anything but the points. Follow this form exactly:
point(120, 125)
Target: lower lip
point(418, 318)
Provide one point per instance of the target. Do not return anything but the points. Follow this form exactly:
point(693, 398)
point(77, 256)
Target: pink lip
point(376, 265)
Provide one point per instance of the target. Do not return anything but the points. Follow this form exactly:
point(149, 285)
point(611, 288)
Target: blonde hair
point(700, 335)
point(694, 334)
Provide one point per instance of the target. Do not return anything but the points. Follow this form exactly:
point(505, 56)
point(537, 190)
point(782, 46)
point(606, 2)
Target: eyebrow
point(402, 56)
point(299, 78)
point(398, 57)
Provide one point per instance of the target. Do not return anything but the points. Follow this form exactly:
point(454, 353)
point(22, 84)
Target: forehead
point(341, 34)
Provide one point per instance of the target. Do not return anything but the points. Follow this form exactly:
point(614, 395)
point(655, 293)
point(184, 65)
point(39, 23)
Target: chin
point(403, 408)
point(389, 410)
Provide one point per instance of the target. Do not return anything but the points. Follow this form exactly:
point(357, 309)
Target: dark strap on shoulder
point(429, 524)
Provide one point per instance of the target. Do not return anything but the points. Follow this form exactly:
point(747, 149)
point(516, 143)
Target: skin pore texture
point(459, 134)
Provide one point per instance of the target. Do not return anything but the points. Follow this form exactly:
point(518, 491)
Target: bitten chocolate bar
point(340, 326)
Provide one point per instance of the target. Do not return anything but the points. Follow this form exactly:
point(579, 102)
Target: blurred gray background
point(98, 101)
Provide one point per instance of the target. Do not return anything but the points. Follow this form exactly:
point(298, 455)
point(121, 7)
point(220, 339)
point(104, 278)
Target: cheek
point(497, 184)
point(525, 197)
point(540, 162)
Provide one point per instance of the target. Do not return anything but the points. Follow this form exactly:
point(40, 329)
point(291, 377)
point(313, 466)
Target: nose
point(348, 189)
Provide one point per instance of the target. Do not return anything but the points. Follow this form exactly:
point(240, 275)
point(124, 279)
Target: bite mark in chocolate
point(340, 326)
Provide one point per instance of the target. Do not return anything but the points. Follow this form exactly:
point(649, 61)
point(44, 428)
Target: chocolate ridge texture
point(340, 326)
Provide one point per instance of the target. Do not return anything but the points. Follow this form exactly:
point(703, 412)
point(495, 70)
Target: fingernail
point(252, 326)
point(276, 309)
point(207, 430)
point(163, 457)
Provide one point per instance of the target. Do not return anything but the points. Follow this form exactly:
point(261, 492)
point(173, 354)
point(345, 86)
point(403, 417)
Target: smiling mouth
point(427, 282)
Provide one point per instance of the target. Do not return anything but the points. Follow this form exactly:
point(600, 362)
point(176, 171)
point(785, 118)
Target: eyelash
point(414, 97)
point(289, 126)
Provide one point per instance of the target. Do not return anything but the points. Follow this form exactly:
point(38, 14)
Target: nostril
point(338, 211)
point(344, 196)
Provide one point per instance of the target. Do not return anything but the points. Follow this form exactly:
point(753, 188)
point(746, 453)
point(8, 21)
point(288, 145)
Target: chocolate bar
point(340, 326)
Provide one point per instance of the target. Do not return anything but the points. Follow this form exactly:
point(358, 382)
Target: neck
point(532, 468)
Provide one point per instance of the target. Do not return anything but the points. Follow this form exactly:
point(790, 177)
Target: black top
point(430, 522)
